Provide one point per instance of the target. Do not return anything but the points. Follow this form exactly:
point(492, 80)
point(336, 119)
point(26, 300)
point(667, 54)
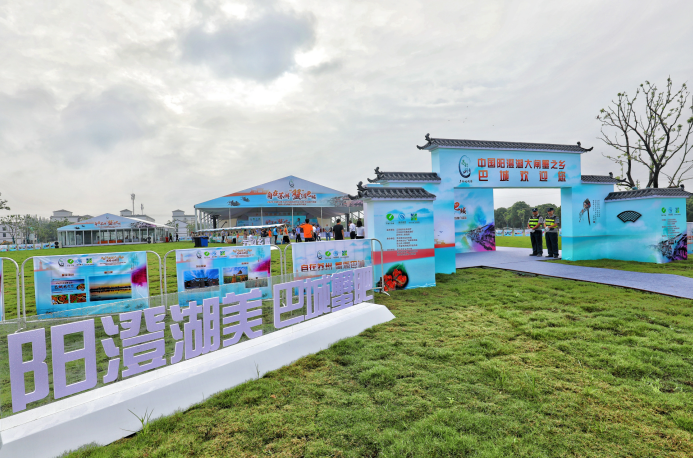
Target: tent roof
point(284, 194)
point(111, 221)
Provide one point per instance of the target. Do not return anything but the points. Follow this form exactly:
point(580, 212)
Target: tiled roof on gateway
point(598, 179)
point(649, 192)
point(486, 144)
point(404, 176)
point(396, 193)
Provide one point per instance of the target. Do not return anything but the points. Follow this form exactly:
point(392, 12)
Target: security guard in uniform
point(551, 223)
point(534, 225)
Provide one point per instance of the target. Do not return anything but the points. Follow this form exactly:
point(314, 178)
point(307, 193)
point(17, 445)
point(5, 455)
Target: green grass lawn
point(684, 268)
point(521, 242)
point(153, 268)
point(488, 363)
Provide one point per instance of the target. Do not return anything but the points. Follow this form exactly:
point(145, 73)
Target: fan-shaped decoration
point(629, 215)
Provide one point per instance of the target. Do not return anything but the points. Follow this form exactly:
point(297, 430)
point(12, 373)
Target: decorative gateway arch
point(597, 221)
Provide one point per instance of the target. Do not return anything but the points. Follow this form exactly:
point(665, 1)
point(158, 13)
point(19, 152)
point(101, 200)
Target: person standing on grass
point(328, 235)
point(298, 233)
point(308, 231)
point(285, 237)
point(360, 230)
point(534, 225)
point(352, 230)
point(338, 230)
point(551, 223)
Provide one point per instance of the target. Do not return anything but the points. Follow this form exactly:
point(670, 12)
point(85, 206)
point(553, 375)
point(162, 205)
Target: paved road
point(518, 259)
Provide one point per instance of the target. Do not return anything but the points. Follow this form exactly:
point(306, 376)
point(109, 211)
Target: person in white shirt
point(352, 230)
point(360, 230)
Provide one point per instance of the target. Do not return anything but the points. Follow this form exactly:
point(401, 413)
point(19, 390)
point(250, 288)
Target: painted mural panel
point(474, 220)
point(648, 230)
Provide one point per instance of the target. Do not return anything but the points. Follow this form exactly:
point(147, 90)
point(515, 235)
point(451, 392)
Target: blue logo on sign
point(402, 217)
point(671, 210)
point(465, 167)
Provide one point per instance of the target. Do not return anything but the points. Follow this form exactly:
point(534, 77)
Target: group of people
point(550, 224)
point(309, 233)
point(306, 232)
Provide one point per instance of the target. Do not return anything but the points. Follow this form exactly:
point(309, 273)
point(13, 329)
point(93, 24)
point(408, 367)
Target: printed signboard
point(509, 169)
point(75, 281)
point(233, 269)
point(323, 258)
point(405, 229)
point(4, 248)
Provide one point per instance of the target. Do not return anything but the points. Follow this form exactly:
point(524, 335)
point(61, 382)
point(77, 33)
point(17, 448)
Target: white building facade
point(180, 222)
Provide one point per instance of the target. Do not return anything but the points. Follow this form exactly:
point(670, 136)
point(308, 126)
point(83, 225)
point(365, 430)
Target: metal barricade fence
point(3, 312)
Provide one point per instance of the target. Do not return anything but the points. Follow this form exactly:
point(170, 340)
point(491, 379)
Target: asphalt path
point(518, 260)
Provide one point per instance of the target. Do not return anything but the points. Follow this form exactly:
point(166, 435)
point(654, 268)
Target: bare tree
point(652, 129)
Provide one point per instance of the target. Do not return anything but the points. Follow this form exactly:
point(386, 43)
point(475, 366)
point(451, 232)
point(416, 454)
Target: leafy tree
point(13, 223)
point(544, 209)
point(47, 230)
point(689, 209)
point(651, 129)
point(3, 204)
point(499, 216)
point(518, 214)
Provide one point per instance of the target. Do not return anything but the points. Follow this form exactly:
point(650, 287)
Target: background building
point(128, 214)
point(60, 215)
point(180, 222)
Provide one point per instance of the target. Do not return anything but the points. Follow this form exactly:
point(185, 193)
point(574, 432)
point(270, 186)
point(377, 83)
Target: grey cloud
point(260, 48)
point(98, 124)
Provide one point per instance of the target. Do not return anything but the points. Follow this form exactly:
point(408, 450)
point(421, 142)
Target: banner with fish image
point(75, 281)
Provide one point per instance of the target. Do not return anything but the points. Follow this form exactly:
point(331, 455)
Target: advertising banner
point(510, 169)
point(507, 232)
point(519, 232)
point(689, 231)
point(21, 247)
point(406, 231)
point(4, 248)
point(2, 293)
point(475, 228)
point(499, 232)
point(37, 246)
point(13, 247)
point(312, 259)
point(47, 246)
point(70, 282)
point(233, 269)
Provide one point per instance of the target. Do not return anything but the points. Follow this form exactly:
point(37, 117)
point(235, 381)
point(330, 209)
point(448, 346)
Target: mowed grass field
point(684, 268)
point(521, 242)
point(487, 364)
point(153, 268)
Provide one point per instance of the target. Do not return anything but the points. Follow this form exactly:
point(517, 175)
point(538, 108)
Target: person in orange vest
point(307, 231)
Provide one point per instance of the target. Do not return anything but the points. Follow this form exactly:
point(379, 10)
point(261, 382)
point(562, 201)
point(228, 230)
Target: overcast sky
point(183, 101)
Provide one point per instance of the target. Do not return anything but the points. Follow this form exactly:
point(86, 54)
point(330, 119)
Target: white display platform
point(101, 416)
